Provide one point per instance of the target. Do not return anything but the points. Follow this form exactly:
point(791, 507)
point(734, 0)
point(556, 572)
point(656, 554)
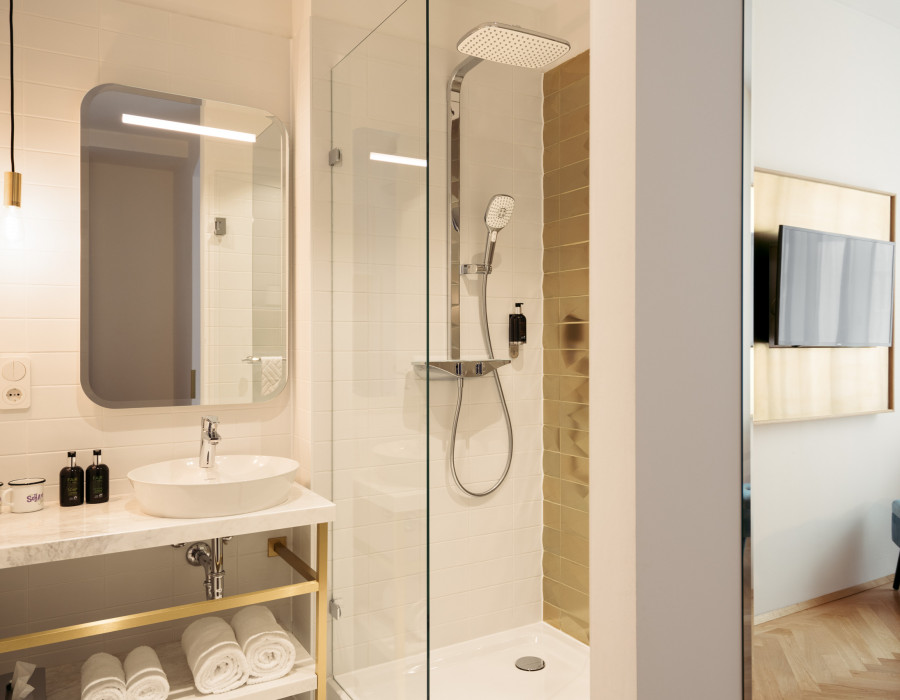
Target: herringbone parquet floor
point(848, 649)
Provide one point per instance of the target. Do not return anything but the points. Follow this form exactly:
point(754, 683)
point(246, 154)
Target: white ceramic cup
point(24, 495)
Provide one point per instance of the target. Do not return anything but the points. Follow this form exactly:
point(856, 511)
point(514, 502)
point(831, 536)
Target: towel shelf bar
point(278, 548)
point(253, 360)
point(152, 617)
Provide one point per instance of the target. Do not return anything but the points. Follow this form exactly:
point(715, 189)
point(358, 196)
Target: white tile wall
point(63, 49)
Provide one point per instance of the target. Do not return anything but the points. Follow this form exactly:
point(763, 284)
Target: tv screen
point(833, 290)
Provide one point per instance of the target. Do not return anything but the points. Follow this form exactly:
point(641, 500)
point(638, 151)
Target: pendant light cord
point(12, 93)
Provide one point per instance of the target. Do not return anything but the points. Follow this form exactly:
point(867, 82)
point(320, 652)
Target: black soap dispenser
point(97, 481)
point(71, 484)
point(517, 335)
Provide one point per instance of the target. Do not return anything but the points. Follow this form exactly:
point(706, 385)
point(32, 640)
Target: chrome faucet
point(209, 439)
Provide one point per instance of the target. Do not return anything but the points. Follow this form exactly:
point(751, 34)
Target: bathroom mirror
point(184, 245)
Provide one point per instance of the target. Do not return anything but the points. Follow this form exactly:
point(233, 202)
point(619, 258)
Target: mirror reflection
point(184, 250)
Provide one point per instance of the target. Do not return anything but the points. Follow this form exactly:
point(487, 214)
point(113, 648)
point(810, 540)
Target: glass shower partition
point(380, 328)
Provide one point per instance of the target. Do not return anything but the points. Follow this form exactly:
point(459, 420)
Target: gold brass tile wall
point(566, 142)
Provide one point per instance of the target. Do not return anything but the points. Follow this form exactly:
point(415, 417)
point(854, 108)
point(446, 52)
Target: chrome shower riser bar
point(454, 138)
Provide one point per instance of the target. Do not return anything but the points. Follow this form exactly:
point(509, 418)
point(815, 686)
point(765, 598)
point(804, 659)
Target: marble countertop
point(55, 533)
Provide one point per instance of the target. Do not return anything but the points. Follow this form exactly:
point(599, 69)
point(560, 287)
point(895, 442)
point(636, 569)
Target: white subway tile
point(59, 70)
point(135, 19)
point(61, 402)
point(13, 579)
point(64, 434)
point(54, 36)
point(81, 12)
point(52, 102)
point(54, 368)
point(53, 335)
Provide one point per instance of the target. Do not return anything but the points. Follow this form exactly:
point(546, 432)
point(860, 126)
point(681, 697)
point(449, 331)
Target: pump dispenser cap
point(71, 454)
point(97, 452)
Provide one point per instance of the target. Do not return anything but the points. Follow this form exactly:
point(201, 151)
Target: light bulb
point(12, 224)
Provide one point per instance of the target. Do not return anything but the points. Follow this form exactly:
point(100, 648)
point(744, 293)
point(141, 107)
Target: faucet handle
point(209, 425)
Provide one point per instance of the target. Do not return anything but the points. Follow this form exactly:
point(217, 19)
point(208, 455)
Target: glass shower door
point(379, 321)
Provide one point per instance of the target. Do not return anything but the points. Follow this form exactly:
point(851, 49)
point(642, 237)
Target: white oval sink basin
point(236, 484)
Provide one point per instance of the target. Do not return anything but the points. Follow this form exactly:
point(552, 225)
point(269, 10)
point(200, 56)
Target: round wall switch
point(13, 370)
point(15, 383)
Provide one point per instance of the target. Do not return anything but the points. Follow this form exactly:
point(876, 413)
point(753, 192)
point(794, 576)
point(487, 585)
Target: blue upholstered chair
point(895, 535)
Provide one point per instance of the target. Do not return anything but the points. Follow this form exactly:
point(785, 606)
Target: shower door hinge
point(335, 157)
point(334, 609)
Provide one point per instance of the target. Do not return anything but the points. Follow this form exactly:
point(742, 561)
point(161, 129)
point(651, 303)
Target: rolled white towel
point(214, 656)
point(144, 676)
point(268, 648)
point(102, 678)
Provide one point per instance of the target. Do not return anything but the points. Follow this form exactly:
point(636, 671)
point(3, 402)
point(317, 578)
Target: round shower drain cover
point(530, 663)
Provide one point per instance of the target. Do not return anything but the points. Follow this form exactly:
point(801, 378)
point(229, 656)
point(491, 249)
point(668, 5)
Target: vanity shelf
point(55, 533)
point(64, 682)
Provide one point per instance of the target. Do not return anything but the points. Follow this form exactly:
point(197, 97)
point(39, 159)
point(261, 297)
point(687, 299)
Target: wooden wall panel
point(808, 383)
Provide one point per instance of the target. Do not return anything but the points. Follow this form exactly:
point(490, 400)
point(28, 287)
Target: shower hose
point(486, 333)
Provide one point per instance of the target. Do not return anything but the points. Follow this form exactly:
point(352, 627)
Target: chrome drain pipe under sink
point(212, 559)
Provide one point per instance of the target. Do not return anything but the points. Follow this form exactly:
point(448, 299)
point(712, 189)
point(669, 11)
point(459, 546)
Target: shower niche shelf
point(455, 369)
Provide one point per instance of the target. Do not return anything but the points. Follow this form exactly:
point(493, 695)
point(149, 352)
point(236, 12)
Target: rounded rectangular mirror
point(184, 244)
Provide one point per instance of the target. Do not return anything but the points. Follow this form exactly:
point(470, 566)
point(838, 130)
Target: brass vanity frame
point(317, 582)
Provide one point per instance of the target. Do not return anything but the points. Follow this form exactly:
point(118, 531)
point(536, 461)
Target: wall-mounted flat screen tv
point(833, 290)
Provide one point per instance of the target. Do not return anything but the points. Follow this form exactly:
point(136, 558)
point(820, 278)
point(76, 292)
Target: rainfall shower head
point(514, 46)
point(499, 211)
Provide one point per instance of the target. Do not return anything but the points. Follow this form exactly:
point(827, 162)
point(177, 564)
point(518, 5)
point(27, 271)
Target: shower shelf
point(454, 369)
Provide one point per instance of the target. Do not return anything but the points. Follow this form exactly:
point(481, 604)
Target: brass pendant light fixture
point(12, 181)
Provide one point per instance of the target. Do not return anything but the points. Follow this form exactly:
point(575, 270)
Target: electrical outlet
point(15, 383)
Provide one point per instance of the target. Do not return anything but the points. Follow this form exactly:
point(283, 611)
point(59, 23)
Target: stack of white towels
point(141, 677)
point(254, 648)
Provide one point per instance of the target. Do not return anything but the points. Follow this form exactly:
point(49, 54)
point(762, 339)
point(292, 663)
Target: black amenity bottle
point(97, 481)
point(71, 484)
point(517, 326)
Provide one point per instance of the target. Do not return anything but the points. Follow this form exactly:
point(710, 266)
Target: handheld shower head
point(496, 217)
point(499, 211)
